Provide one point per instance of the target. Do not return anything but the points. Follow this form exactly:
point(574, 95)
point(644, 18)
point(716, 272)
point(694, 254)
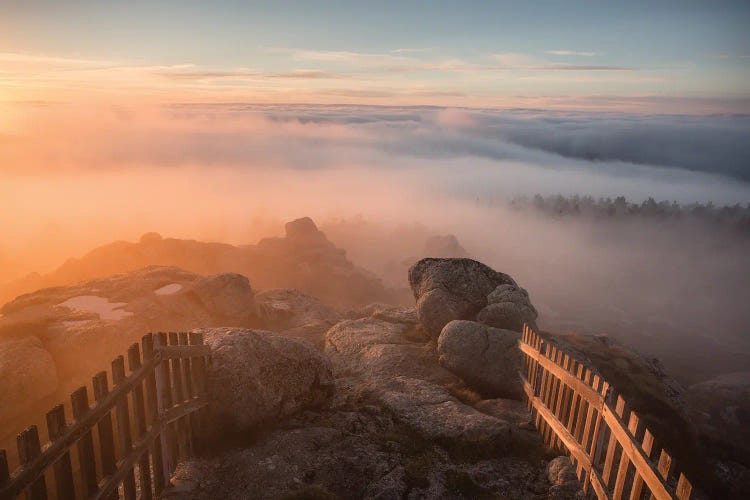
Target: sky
point(655, 56)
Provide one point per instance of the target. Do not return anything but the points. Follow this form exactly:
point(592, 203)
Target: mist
point(379, 181)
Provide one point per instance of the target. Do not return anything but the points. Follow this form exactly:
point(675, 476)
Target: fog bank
point(381, 180)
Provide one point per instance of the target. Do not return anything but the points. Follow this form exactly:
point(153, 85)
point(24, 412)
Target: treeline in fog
point(735, 216)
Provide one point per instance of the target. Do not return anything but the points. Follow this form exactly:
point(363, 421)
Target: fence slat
point(178, 395)
point(187, 377)
point(647, 444)
point(164, 394)
point(157, 459)
point(199, 381)
point(104, 427)
point(80, 402)
point(63, 468)
point(612, 446)
point(28, 449)
point(622, 470)
point(572, 409)
point(684, 488)
point(139, 419)
point(123, 426)
point(4, 470)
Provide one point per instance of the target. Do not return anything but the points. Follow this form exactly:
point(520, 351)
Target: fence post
point(178, 395)
point(63, 468)
point(139, 415)
point(164, 397)
point(123, 425)
point(104, 427)
point(80, 403)
point(187, 378)
point(4, 470)
point(157, 450)
point(28, 449)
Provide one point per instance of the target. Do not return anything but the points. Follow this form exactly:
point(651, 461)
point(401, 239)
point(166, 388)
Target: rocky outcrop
point(486, 358)
point(257, 377)
point(508, 307)
point(77, 330)
point(303, 259)
point(450, 289)
point(293, 313)
point(721, 409)
point(444, 246)
point(403, 376)
point(28, 374)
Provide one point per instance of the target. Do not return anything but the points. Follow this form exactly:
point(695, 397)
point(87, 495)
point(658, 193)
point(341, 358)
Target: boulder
point(721, 409)
point(486, 358)
point(28, 375)
point(289, 308)
point(229, 297)
point(258, 377)
point(435, 415)
point(450, 289)
point(403, 376)
point(508, 307)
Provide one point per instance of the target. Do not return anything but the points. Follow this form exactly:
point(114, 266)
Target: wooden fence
point(573, 410)
point(144, 425)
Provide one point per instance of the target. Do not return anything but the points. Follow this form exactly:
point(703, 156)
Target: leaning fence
point(129, 441)
point(573, 410)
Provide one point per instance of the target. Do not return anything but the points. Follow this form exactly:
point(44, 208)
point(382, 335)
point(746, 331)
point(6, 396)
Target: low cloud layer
point(380, 180)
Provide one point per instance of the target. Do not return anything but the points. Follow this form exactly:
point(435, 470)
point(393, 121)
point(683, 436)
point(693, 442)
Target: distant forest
point(735, 216)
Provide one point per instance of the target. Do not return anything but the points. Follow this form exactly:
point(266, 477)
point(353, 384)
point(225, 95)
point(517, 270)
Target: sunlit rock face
point(451, 289)
point(402, 374)
point(27, 372)
point(486, 358)
point(77, 330)
point(257, 377)
point(303, 259)
point(295, 314)
point(721, 409)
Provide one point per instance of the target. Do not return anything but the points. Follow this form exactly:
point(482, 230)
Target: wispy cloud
point(575, 53)
point(728, 56)
point(413, 50)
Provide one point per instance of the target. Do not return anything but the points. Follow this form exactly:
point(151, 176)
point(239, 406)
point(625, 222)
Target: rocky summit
point(314, 400)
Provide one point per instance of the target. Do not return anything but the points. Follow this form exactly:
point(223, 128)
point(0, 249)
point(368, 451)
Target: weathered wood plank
point(4, 469)
point(684, 488)
point(164, 393)
point(182, 352)
point(647, 445)
point(123, 427)
point(157, 459)
point(571, 380)
point(622, 470)
point(139, 419)
point(187, 378)
point(104, 427)
point(85, 419)
point(63, 469)
point(612, 446)
point(178, 395)
point(636, 455)
point(568, 441)
point(85, 445)
point(125, 464)
point(30, 448)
